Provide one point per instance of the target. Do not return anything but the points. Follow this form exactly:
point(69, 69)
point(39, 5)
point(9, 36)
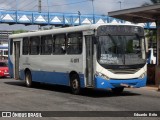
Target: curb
point(152, 88)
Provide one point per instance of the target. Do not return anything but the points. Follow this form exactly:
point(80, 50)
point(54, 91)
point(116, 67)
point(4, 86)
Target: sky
point(101, 7)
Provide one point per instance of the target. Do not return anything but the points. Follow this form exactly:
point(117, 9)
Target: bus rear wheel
point(118, 90)
point(75, 84)
point(28, 79)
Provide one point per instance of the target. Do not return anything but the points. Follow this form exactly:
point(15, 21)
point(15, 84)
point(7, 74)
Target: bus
point(4, 52)
point(98, 56)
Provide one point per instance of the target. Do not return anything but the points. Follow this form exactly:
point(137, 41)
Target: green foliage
point(151, 35)
point(48, 28)
point(155, 1)
point(152, 1)
point(19, 31)
point(129, 47)
point(145, 4)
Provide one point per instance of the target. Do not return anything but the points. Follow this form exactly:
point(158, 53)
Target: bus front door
point(16, 59)
point(89, 61)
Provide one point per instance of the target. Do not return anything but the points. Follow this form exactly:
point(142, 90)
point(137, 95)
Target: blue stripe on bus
point(10, 66)
point(112, 83)
point(58, 78)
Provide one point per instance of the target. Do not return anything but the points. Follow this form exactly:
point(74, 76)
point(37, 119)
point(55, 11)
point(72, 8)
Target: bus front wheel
point(75, 84)
point(118, 90)
point(28, 79)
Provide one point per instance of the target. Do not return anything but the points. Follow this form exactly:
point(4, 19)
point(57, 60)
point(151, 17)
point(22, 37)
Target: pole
point(39, 6)
point(48, 11)
point(16, 6)
point(16, 11)
point(79, 14)
point(120, 4)
point(39, 10)
point(48, 5)
point(93, 11)
point(158, 60)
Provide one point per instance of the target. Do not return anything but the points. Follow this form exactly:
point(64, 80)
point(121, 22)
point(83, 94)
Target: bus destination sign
point(120, 30)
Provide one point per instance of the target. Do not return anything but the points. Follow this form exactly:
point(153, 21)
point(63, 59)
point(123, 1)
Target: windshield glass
point(3, 64)
point(121, 50)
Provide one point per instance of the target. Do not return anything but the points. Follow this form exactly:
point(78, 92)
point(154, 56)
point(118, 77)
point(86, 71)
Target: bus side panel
point(10, 58)
point(47, 77)
point(10, 66)
point(82, 80)
point(52, 77)
point(22, 75)
point(52, 69)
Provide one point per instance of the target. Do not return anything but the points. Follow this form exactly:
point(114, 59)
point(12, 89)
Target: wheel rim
point(27, 80)
point(75, 84)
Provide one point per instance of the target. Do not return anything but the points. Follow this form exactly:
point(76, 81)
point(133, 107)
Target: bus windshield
point(121, 50)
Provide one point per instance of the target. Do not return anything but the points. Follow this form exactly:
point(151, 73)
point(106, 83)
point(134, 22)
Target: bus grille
point(124, 71)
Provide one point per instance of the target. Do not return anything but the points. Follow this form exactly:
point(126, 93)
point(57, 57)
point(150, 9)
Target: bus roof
point(4, 46)
point(63, 30)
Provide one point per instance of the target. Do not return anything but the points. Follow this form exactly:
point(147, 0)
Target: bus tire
point(28, 79)
point(75, 84)
point(118, 90)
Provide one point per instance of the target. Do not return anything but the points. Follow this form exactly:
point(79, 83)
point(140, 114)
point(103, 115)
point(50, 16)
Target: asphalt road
point(14, 96)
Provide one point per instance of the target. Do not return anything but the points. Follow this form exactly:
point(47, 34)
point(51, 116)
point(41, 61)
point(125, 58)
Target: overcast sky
point(101, 7)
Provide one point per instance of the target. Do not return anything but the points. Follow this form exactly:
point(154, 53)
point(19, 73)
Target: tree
point(145, 4)
point(152, 2)
point(151, 34)
point(19, 31)
point(155, 1)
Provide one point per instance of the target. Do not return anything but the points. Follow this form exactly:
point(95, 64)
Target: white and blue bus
point(89, 56)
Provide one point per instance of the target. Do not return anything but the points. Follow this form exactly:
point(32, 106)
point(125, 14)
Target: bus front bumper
point(112, 83)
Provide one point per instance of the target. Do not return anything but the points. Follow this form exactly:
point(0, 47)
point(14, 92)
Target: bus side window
point(25, 46)
point(34, 45)
point(59, 44)
point(74, 44)
point(46, 45)
point(5, 52)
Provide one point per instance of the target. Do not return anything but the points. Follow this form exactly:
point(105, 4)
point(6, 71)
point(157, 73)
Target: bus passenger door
point(16, 59)
point(89, 61)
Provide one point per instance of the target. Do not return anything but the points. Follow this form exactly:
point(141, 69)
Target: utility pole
point(16, 5)
point(120, 4)
point(79, 14)
point(93, 11)
point(48, 11)
point(16, 11)
point(39, 10)
point(39, 6)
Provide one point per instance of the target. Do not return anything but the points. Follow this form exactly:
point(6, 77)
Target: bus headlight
point(142, 76)
point(102, 75)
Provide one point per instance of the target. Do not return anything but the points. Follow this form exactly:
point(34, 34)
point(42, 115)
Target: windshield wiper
point(113, 40)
